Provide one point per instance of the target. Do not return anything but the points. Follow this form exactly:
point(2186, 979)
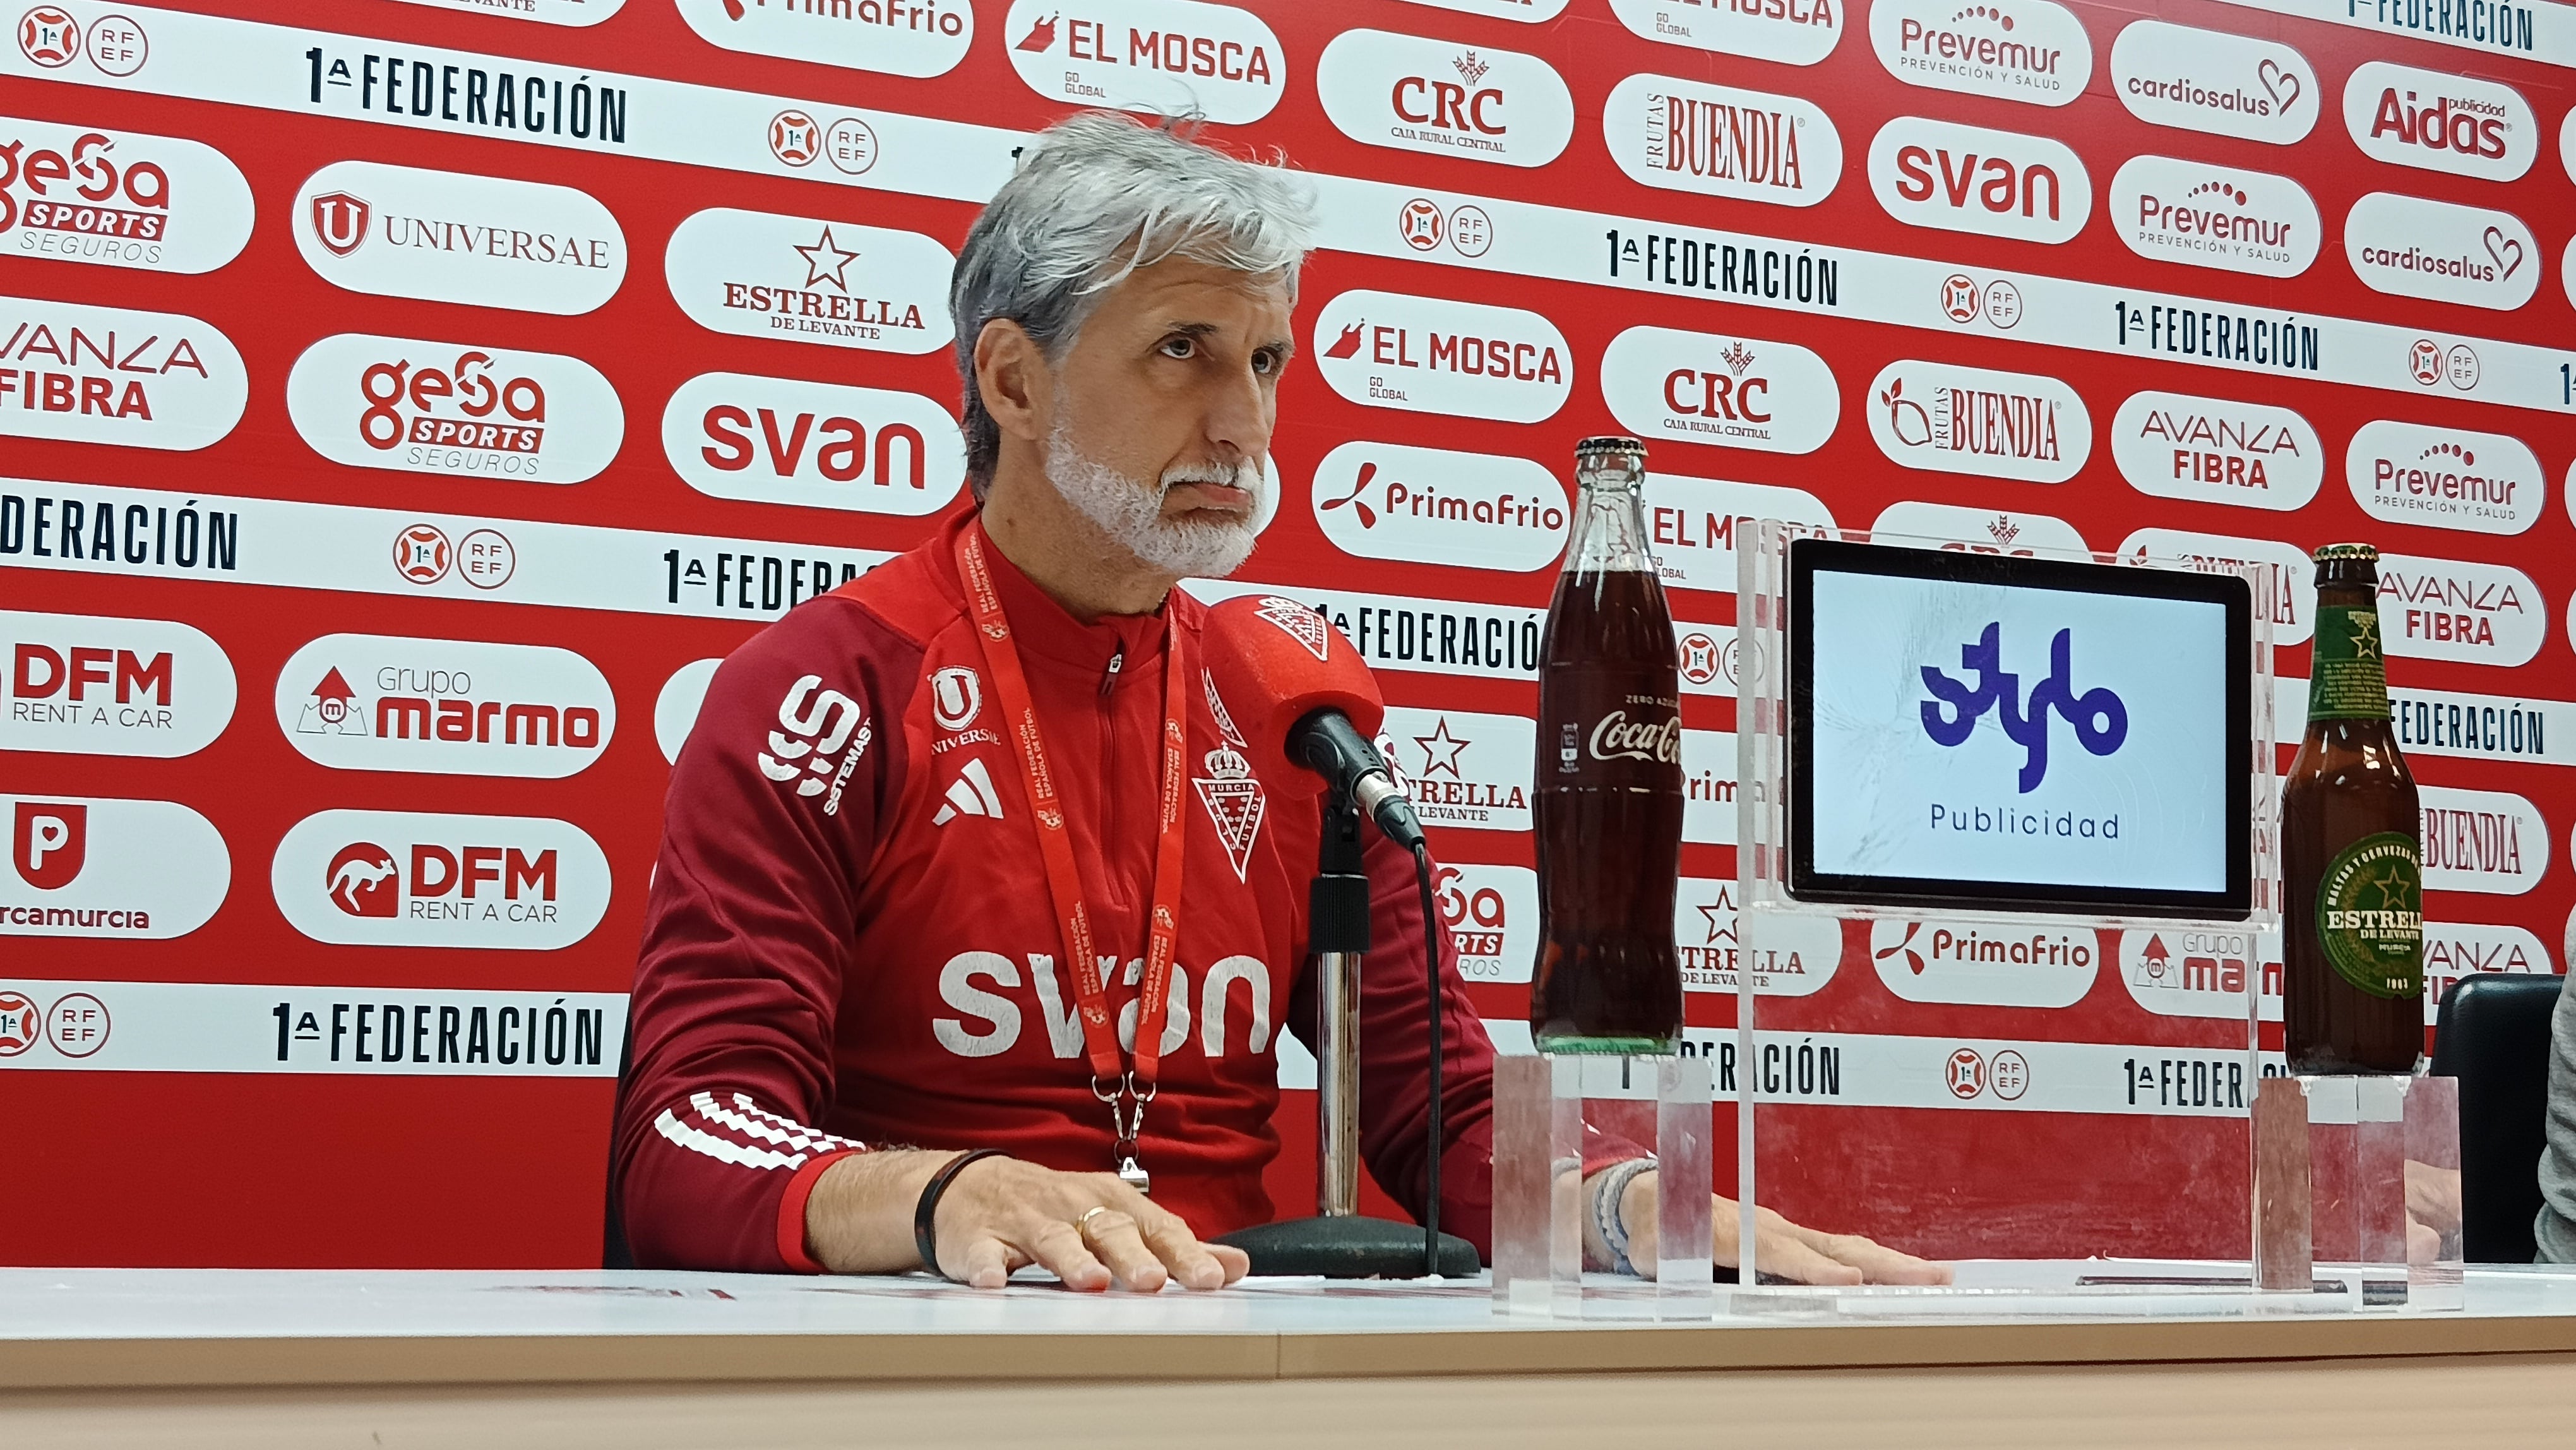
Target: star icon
point(1721, 920)
point(2365, 636)
point(826, 260)
point(2391, 889)
point(1433, 747)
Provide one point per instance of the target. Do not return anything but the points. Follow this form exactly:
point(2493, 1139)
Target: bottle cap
point(2368, 553)
point(1594, 447)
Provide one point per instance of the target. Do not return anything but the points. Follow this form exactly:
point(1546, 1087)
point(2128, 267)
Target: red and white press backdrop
point(407, 403)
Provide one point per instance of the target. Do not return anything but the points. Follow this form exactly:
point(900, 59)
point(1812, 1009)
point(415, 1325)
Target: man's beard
point(1130, 512)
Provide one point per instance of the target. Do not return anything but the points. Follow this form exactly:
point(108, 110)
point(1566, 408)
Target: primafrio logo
point(1791, 956)
point(2098, 717)
point(2408, 246)
point(2445, 478)
point(2461, 124)
point(2215, 82)
point(112, 375)
point(2200, 215)
point(1792, 32)
point(1928, 173)
point(2217, 450)
point(2016, 50)
point(1462, 768)
point(1166, 57)
point(1492, 916)
point(2175, 972)
point(444, 706)
point(2285, 590)
point(1984, 963)
point(2456, 609)
point(801, 279)
point(1691, 526)
point(86, 684)
point(449, 236)
point(1432, 355)
point(416, 879)
point(891, 37)
point(1708, 787)
point(2488, 841)
point(2007, 533)
point(1735, 392)
point(1414, 94)
point(95, 866)
point(1719, 141)
point(1952, 419)
point(818, 445)
point(1431, 506)
point(412, 406)
point(119, 198)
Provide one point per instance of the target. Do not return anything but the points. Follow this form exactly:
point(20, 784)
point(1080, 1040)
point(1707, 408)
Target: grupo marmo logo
point(2101, 721)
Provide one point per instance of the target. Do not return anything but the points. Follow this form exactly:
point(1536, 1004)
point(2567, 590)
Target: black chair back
point(2493, 1035)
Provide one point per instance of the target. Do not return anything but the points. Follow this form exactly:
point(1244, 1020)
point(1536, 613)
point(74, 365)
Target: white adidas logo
point(970, 794)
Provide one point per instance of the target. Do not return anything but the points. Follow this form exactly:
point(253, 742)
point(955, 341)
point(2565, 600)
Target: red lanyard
point(1126, 1090)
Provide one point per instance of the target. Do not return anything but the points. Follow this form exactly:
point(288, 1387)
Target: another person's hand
point(2432, 1212)
point(1780, 1247)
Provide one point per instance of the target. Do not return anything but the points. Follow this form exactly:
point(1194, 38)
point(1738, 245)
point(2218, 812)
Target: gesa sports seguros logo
point(451, 236)
point(1413, 94)
point(1163, 57)
point(1432, 506)
point(399, 878)
point(2098, 717)
point(801, 279)
point(1433, 355)
point(119, 198)
point(466, 412)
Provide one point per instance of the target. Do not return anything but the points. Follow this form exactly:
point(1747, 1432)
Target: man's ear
point(1015, 381)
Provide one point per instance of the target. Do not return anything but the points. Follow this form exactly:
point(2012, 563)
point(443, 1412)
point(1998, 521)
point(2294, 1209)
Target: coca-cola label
point(2217, 450)
point(2285, 590)
point(2455, 609)
point(1957, 528)
point(2200, 215)
point(2013, 50)
point(814, 444)
point(2489, 841)
point(1433, 506)
point(119, 198)
point(1433, 355)
point(1952, 419)
point(1162, 57)
point(2409, 246)
point(1410, 93)
point(1729, 392)
point(455, 409)
point(2445, 478)
point(1682, 135)
point(1792, 32)
point(1692, 523)
point(1928, 173)
point(2438, 121)
point(2214, 81)
point(1789, 956)
point(1644, 727)
point(1462, 768)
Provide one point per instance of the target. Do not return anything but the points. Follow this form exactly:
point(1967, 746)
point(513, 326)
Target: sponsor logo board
point(1682, 135)
point(2214, 81)
point(2408, 246)
point(1708, 787)
point(2445, 478)
point(1691, 524)
point(458, 410)
point(1984, 963)
point(2286, 592)
point(1162, 57)
point(1429, 505)
point(2179, 972)
point(2464, 723)
point(1732, 392)
point(85, 684)
point(444, 706)
point(2488, 841)
point(416, 879)
point(119, 198)
point(1433, 355)
point(813, 444)
point(1977, 531)
point(676, 704)
point(1411, 93)
point(1928, 173)
point(1789, 955)
point(228, 1027)
point(1709, 657)
point(1492, 914)
point(799, 279)
point(450, 236)
point(1792, 32)
point(891, 37)
point(2014, 50)
point(2456, 609)
point(2465, 125)
point(113, 375)
point(543, 12)
point(93, 866)
point(1462, 768)
point(2170, 210)
point(2217, 450)
point(2453, 950)
point(1951, 419)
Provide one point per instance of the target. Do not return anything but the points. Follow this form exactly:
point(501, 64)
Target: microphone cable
point(1431, 967)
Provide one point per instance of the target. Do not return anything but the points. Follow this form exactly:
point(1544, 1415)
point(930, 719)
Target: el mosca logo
point(1163, 57)
point(1433, 355)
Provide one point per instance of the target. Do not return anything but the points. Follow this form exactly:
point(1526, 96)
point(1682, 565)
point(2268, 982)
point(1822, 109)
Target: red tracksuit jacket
point(850, 941)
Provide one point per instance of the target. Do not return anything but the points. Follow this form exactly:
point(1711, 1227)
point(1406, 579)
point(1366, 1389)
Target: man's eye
point(1265, 362)
point(1179, 347)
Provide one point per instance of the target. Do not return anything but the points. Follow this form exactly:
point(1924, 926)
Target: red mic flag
point(1274, 661)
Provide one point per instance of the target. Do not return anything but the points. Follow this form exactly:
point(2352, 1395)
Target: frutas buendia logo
point(1970, 420)
point(1719, 141)
point(2098, 717)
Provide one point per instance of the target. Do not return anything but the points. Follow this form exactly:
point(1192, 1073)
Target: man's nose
point(1238, 415)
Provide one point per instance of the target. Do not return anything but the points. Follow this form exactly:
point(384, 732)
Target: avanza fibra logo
point(2100, 719)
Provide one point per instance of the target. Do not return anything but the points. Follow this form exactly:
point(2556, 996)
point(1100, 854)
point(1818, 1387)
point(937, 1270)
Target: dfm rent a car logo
point(2099, 718)
point(119, 199)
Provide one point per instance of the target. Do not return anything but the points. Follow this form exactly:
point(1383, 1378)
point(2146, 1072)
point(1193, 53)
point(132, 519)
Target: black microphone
point(1327, 743)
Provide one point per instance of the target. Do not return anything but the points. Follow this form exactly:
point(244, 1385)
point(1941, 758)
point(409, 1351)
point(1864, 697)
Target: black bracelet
point(926, 1212)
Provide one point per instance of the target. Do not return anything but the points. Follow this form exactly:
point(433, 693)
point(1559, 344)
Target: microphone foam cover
point(1273, 661)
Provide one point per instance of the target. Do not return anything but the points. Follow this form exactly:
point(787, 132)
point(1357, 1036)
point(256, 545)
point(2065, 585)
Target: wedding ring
point(1082, 1225)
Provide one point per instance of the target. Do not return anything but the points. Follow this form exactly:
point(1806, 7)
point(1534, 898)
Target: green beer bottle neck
point(2347, 662)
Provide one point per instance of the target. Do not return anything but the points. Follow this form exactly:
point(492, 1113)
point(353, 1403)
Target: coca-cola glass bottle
point(1609, 780)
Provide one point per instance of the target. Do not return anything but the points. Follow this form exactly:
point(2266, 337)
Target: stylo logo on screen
point(119, 198)
point(1166, 57)
point(2440, 122)
point(1411, 94)
point(1719, 141)
point(411, 406)
point(1792, 32)
point(2099, 718)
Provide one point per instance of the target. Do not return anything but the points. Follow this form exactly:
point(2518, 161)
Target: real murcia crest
point(1234, 803)
point(1216, 710)
point(1298, 622)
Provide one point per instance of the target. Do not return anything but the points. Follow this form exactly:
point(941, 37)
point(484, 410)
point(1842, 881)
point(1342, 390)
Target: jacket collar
point(1042, 626)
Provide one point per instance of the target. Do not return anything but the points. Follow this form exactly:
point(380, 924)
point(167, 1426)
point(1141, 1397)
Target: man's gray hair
point(1096, 196)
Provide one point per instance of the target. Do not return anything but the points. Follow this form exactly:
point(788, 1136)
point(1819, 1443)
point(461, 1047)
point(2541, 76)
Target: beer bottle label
point(2370, 915)
point(2347, 675)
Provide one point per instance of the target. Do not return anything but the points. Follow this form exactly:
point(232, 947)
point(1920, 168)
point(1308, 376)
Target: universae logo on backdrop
point(452, 236)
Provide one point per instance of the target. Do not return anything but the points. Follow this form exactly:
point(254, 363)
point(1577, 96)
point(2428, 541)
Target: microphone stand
point(1338, 1243)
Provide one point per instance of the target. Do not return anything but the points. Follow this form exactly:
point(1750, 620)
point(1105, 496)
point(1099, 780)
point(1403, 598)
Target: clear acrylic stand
point(1551, 1114)
point(2357, 1180)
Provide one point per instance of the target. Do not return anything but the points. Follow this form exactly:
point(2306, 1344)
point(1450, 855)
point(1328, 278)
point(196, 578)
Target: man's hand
point(1000, 1214)
point(1781, 1247)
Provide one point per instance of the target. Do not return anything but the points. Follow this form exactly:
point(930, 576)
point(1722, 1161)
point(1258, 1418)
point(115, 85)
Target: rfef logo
point(1684, 135)
point(1928, 173)
point(450, 236)
point(99, 685)
point(396, 878)
point(2099, 718)
point(2215, 82)
point(119, 198)
point(1463, 768)
point(800, 279)
point(2408, 246)
point(2200, 215)
point(815, 444)
point(1792, 32)
point(2284, 585)
point(1432, 506)
point(2217, 450)
point(1413, 94)
point(891, 37)
point(1433, 355)
point(2445, 478)
point(1952, 419)
point(462, 411)
point(2462, 124)
point(444, 706)
point(1732, 392)
point(109, 867)
point(2014, 50)
point(111, 375)
point(2455, 609)
point(1162, 57)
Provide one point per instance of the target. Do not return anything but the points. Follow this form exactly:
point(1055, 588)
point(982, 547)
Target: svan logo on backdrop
point(1166, 57)
point(466, 412)
point(1734, 392)
point(444, 706)
point(2015, 50)
point(1412, 94)
point(2407, 246)
point(405, 879)
point(2099, 717)
point(119, 198)
point(800, 279)
point(2214, 82)
point(106, 867)
point(891, 37)
point(1690, 527)
point(1432, 506)
point(2440, 122)
point(818, 445)
point(2452, 609)
point(2200, 215)
point(2286, 593)
point(1792, 32)
point(2217, 450)
point(1432, 355)
point(1463, 768)
point(2445, 478)
point(86, 684)
point(1928, 173)
point(110, 375)
point(447, 236)
point(1953, 419)
point(1719, 141)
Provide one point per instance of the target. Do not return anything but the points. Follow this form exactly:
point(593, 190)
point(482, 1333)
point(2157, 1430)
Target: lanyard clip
point(1126, 1125)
